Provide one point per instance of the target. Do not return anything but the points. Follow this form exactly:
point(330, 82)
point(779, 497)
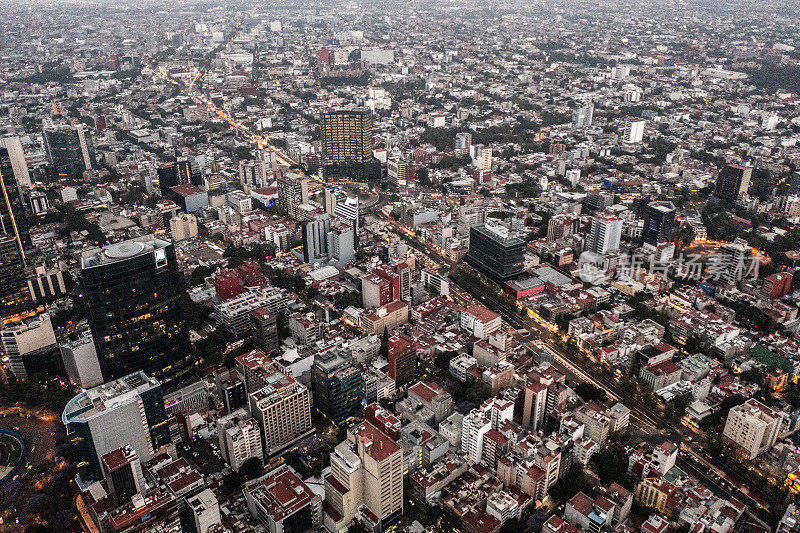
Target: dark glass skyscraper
point(14, 238)
point(658, 222)
point(347, 142)
point(495, 253)
point(133, 291)
point(108, 417)
point(70, 150)
point(338, 387)
point(12, 210)
point(733, 182)
point(13, 287)
point(178, 172)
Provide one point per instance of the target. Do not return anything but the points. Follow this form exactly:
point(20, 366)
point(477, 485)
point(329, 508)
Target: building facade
point(136, 314)
point(126, 411)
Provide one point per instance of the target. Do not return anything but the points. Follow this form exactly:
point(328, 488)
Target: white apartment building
point(239, 438)
point(605, 234)
point(753, 427)
point(634, 131)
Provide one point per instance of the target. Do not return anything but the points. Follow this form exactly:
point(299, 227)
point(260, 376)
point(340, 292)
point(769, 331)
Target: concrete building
point(183, 227)
point(634, 131)
point(127, 411)
point(535, 406)
point(80, 361)
point(282, 503)
point(292, 193)
point(434, 397)
point(752, 427)
point(495, 252)
point(264, 325)
point(283, 411)
point(30, 346)
point(122, 470)
point(18, 163)
point(205, 511)
point(480, 322)
point(366, 472)
point(473, 428)
point(239, 438)
point(605, 234)
point(733, 183)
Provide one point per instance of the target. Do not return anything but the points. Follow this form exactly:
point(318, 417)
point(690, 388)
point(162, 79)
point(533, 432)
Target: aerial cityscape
point(517, 266)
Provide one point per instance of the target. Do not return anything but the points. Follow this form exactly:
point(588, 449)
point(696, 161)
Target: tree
point(200, 273)
point(611, 466)
point(423, 176)
point(443, 359)
point(513, 525)
point(590, 393)
point(196, 314)
point(571, 484)
point(479, 392)
point(251, 468)
point(343, 300)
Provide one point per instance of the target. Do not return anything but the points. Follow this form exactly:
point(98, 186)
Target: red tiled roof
point(379, 446)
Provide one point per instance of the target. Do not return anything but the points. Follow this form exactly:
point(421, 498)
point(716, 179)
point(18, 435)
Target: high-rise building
point(282, 503)
point(12, 209)
point(582, 116)
point(126, 411)
point(470, 215)
point(346, 142)
point(752, 427)
point(239, 439)
point(79, 357)
point(292, 193)
point(777, 285)
point(535, 406)
point(473, 428)
point(344, 486)
point(265, 329)
point(397, 173)
point(462, 142)
point(183, 227)
point(123, 471)
point(341, 243)
point(133, 290)
point(338, 387)
point(330, 201)
point(315, 239)
point(382, 460)
point(179, 172)
point(733, 182)
point(403, 361)
point(69, 150)
point(634, 131)
point(495, 252)
point(205, 511)
point(19, 165)
point(30, 346)
point(253, 173)
point(658, 222)
point(282, 408)
point(605, 235)
point(14, 295)
point(328, 239)
point(366, 469)
point(731, 262)
point(347, 210)
point(562, 226)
